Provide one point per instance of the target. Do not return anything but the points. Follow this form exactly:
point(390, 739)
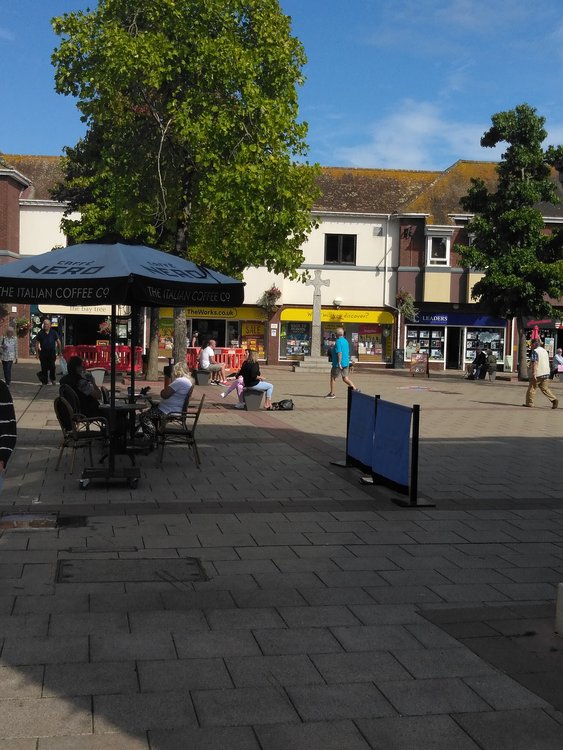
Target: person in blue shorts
point(340, 363)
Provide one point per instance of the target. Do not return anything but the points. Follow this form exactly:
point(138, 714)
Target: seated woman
point(82, 383)
point(250, 372)
point(173, 397)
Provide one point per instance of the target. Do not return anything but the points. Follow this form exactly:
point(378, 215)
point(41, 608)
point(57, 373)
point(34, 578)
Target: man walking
point(48, 345)
point(538, 375)
point(340, 363)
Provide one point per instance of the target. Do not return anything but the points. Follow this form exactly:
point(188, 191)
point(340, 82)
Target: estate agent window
point(340, 249)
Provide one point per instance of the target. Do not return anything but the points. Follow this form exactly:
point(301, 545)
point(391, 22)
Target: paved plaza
point(269, 601)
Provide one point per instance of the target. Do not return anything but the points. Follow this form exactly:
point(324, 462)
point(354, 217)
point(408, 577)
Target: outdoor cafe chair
point(78, 431)
point(179, 429)
point(71, 396)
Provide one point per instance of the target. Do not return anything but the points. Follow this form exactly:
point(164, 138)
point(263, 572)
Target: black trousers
point(47, 360)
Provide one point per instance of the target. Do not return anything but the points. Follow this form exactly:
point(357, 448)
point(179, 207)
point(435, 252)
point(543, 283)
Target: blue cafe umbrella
point(134, 275)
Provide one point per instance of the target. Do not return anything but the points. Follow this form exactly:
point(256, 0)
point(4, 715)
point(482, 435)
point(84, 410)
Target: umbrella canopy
point(92, 274)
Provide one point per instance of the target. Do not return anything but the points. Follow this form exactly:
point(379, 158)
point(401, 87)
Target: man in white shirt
point(207, 362)
point(539, 375)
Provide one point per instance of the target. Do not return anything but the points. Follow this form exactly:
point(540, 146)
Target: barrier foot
point(420, 503)
point(366, 480)
point(342, 464)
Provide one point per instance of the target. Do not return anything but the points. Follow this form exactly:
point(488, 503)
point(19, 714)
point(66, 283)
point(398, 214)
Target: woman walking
point(9, 353)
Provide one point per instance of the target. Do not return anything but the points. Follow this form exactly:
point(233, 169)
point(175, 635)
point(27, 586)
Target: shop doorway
point(207, 329)
point(453, 349)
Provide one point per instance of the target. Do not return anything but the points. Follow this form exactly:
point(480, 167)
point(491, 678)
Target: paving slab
point(512, 730)
point(320, 735)
point(241, 706)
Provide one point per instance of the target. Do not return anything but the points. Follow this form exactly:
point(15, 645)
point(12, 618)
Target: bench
point(202, 377)
point(253, 399)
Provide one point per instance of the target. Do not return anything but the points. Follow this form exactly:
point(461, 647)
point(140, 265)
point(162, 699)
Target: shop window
point(425, 340)
point(295, 340)
point(486, 338)
point(438, 251)
point(340, 249)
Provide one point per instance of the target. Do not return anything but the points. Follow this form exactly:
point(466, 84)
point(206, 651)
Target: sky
point(393, 84)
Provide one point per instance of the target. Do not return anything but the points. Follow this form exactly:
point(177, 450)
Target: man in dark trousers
point(7, 429)
point(48, 345)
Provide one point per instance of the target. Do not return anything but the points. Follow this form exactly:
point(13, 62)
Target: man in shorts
point(340, 363)
point(207, 362)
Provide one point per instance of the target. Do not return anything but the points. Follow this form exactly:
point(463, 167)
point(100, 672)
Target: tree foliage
point(522, 264)
point(192, 139)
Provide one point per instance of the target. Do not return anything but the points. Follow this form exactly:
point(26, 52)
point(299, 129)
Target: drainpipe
point(385, 303)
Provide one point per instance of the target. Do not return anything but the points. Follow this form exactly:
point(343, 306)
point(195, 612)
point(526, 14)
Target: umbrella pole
point(113, 415)
point(134, 337)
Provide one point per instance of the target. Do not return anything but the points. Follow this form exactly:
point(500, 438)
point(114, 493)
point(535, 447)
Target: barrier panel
point(382, 440)
point(99, 356)
point(231, 358)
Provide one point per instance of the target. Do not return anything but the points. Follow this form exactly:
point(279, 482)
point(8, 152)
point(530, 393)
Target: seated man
point(82, 383)
point(207, 362)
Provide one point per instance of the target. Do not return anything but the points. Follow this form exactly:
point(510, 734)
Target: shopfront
point(451, 339)
point(240, 327)
point(369, 333)
point(548, 330)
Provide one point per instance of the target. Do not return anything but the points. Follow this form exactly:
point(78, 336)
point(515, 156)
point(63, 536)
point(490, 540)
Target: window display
point(295, 339)
point(422, 340)
point(253, 337)
point(486, 338)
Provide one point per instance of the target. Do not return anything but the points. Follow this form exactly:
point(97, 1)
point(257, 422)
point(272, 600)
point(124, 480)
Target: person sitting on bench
point(207, 362)
point(250, 372)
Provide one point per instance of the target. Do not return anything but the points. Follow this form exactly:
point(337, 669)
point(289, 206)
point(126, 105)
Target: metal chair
point(179, 428)
point(78, 431)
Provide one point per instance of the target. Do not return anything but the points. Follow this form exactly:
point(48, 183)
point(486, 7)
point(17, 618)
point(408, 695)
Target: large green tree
point(192, 135)
point(522, 263)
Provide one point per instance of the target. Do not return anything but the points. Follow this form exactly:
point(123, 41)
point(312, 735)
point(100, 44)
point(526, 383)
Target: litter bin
point(167, 375)
point(399, 359)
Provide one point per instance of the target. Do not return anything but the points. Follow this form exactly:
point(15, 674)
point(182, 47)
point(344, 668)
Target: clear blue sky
point(390, 83)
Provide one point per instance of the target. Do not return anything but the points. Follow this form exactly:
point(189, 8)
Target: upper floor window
point(438, 251)
point(340, 249)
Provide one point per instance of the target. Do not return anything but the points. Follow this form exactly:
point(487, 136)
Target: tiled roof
point(369, 190)
point(442, 197)
point(43, 171)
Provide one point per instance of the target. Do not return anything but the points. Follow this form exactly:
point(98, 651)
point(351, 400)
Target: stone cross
point(316, 283)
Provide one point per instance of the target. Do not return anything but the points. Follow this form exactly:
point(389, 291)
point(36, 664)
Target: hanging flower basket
point(404, 302)
point(105, 327)
point(269, 300)
point(22, 326)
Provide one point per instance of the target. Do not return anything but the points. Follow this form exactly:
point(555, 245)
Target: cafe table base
point(131, 474)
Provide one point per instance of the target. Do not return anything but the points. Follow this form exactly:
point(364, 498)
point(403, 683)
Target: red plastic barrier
point(231, 358)
point(192, 357)
point(100, 356)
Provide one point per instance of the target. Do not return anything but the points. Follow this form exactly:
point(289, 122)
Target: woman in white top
point(173, 397)
point(9, 353)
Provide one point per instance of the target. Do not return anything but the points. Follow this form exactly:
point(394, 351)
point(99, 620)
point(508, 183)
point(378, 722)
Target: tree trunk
point(180, 335)
point(522, 351)
point(152, 366)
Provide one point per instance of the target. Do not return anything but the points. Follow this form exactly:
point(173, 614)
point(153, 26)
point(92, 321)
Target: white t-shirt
point(174, 403)
point(204, 356)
